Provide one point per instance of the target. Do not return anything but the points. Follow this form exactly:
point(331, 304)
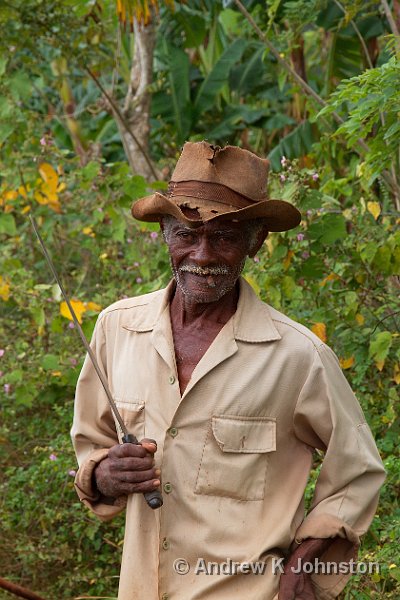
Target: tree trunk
point(136, 110)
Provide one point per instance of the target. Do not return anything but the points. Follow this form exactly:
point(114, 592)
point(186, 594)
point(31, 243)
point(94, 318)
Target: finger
point(139, 476)
point(127, 450)
point(132, 463)
point(142, 488)
point(149, 444)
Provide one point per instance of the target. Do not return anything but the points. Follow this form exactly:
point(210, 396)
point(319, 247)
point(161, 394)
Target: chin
point(205, 294)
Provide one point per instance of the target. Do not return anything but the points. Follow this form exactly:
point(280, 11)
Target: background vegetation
point(92, 116)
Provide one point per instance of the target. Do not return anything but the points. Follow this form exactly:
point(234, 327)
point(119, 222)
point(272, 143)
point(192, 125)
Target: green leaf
point(247, 76)
point(329, 229)
point(90, 171)
point(368, 252)
point(6, 130)
point(313, 268)
point(50, 362)
point(288, 286)
point(21, 86)
point(179, 99)
point(382, 260)
point(38, 316)
point(24, 395)
point(135, 187)
point(7, 224)
point(15, 376)
point(218, 76)
point(3, 64)
point(380, 345)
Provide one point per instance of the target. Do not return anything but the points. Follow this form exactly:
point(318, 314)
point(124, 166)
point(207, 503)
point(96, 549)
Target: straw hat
point(219, 183)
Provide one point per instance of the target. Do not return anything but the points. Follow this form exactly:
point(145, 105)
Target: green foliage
point(373, 114)
point(62, 159)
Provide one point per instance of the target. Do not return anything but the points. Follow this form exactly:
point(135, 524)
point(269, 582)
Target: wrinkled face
point(206, 260)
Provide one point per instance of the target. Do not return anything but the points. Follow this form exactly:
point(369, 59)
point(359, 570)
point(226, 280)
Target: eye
point(186, 235)
point(226, 237)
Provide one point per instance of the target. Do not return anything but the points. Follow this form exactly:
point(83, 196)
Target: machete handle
point(154, 498)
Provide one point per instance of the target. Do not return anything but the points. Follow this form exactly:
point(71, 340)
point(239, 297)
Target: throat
point(194, 331)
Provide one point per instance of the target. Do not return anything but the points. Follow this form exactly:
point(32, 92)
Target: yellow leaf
point(23, 191)
point(50, 192)
point(78, 307)
point(93, 306)
point(379, 364)
point(320, 330)
point(4, 289)
point(88, 231)
point(288, 259)
point(360, 319)
point(346, 363)
point(56, 373)
point(6, 197)
point(25, 210)
point(11, 195)
point(49, 175)
point(396, 374)
point(47, 192)
point(330, 277)
point(374, 208)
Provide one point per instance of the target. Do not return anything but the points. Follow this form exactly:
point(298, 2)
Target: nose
point(203, 253)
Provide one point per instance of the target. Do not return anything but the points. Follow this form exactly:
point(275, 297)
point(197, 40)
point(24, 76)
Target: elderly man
point(230, 399)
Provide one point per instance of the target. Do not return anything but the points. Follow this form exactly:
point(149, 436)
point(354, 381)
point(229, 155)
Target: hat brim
point(279, 215)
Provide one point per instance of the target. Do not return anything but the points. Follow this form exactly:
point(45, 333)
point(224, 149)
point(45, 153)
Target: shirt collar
point(252, 321)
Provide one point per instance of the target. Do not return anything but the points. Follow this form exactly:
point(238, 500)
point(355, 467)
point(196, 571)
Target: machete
point(153, 499)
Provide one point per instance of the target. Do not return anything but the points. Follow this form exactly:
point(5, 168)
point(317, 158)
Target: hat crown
point(232, 167)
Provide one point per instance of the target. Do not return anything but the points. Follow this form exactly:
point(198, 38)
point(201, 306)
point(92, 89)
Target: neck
point(187, 311)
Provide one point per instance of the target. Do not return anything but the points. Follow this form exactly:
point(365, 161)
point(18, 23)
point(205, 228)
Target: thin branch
point(397, 312)
point(122, 120)
point(18, 590)
point(392, 23)
point(386, 176)
point(358, 33)
point(308, 89)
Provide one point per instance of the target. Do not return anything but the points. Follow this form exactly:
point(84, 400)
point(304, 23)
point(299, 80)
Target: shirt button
point(167, 487)
point(165, 597)
point(173, 432)
point(165, 544)
point(171, 379)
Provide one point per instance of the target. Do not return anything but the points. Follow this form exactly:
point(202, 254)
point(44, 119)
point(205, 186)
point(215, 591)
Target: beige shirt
point(235, 450)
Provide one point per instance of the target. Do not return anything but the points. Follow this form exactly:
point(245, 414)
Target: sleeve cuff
point(104, 508)
point(326, 526)
point(341, 554)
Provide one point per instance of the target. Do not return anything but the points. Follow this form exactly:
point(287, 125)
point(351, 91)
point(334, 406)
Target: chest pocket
point(235, 457)
point(132, 413)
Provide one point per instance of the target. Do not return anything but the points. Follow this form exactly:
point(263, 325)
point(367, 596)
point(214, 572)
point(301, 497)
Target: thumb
point(149, 445)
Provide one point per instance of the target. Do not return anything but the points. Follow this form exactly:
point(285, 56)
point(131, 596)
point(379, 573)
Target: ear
point(262, 236)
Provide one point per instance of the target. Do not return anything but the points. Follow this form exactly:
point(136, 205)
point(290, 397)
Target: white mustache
point(196, 270)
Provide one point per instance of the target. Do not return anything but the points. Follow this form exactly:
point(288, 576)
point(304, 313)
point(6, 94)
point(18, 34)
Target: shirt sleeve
point(93, 430)
point(329, 417)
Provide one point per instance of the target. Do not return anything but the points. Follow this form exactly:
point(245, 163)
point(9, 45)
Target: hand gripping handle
point(154, 498)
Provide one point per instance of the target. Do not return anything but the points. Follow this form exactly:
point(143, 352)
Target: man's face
point(206, 260)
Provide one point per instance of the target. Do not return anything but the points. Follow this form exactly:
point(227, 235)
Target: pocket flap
point(131, 405)
point(245, 434)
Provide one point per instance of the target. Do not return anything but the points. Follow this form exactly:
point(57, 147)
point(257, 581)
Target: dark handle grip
point(154, 499)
